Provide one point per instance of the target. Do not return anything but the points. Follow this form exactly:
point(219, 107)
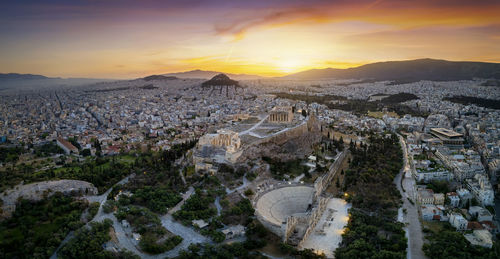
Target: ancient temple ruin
point(281, 114)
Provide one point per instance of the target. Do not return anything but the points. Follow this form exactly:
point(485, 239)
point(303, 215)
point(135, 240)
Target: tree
point(85, 152)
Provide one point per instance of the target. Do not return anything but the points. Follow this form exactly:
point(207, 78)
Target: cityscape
point(303, 154)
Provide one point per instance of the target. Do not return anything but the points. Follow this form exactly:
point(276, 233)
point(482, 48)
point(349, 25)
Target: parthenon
point(281, 114)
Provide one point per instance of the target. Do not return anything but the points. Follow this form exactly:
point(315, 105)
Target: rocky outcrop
point(220, 80)
point(37, 191)
point(291, 144)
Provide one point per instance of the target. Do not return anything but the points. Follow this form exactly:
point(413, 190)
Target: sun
point(289, 65)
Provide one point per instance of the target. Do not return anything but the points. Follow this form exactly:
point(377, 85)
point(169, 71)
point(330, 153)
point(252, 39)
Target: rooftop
point(446, 132)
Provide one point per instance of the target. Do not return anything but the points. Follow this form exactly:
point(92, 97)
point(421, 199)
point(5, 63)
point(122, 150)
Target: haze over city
point(250, 129)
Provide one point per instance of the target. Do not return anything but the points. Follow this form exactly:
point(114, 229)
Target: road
point(241, 187)
point(126, 242)
point(218, 206)
point(414, 228)
point(188, 234)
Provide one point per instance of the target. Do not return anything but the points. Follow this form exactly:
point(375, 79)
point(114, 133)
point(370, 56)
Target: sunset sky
point(127, 39)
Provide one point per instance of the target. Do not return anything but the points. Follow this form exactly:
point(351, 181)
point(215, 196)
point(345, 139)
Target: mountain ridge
point(411, 70)
point(400, 71)
point(17, 76)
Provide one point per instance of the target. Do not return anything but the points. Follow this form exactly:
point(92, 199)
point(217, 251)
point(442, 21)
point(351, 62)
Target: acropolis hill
point(281, 133)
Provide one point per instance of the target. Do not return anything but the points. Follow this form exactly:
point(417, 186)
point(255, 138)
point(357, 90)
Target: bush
point(156, 199)
point(248, 192)
point(109, 206)
point(88, 243)
point(148, 244)
point(93, 209)
point(196, 207)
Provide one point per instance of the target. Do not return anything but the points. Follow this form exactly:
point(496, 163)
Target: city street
point(411, 218)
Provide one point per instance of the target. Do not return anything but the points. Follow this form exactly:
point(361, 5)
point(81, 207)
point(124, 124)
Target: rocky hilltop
point(292, 144)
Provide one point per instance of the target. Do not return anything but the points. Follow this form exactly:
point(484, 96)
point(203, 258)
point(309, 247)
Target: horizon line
point(264, 76)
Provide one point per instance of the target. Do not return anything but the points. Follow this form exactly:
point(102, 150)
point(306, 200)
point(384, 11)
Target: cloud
point(274, 17)
point(398, 13)
point(458, 42)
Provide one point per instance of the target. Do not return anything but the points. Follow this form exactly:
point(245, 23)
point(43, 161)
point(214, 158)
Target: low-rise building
point(464, 195)
point(425, 196)
point(480, 238)
point(234, 231)
point(438, 199)
point(480, 213)
point(458, 221)
point(428, 176)
point(431, 212)
point(454, 199)
point(66, 146)
point(481, 188)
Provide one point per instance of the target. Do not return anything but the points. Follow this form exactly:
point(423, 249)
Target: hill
point(407, 71)
point(158, 77)
point(220, 80)
point(202, 74)
point(16, 76)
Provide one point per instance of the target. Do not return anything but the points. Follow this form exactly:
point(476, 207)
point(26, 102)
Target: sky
point(129, 39)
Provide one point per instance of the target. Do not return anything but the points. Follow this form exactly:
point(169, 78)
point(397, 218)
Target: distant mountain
point(159, 77)
point(15, 76)
point(407, 71)
point(202, 74)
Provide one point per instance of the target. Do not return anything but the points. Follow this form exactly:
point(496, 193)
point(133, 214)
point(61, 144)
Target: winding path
point(98, 217)
point(254, 126)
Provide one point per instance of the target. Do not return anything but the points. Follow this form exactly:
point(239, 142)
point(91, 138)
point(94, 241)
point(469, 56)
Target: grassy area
point(435, 227)
point(128, 159)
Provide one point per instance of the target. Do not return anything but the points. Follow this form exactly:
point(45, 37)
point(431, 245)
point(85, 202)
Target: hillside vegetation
point(372, 231)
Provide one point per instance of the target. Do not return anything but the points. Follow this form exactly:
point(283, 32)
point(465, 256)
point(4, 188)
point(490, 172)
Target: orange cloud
point(397, 13)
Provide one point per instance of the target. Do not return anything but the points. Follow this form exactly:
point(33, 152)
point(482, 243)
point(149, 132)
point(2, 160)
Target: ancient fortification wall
point(292, 143)
point(314, 218)
point(291, 223)
point(322, 182)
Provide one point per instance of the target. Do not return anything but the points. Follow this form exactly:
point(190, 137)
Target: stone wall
point(291, 223)
point(314, 218)
point(324, 181)
point(319, 202)
point(293, 143)
point(307, 221)
point(277, 230)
